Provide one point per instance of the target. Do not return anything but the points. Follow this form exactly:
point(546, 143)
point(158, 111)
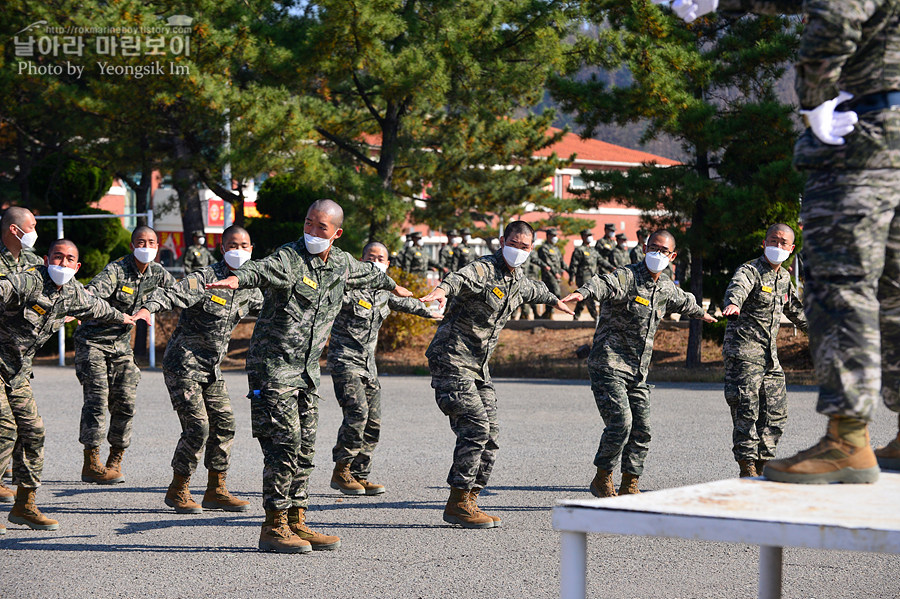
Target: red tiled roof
point(594, 149)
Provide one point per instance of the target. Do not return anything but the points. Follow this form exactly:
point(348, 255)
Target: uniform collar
point(764, 265)
point(502, 269)
point(314, 261)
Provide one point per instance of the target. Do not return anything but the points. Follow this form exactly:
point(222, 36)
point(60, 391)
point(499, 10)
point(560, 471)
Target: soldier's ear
point(77, 266)
point(672, 257)
point(338, 233)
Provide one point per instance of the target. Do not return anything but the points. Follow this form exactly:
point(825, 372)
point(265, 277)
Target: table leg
point(770, 572)
point(573, 565)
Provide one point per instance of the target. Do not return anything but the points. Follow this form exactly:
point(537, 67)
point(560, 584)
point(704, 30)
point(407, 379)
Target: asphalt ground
point(122, 541)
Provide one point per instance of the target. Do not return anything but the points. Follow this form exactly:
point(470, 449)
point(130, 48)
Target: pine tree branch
point(347, 147)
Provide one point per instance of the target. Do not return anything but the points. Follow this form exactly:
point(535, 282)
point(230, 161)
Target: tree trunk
point(695, 234)
point(185, 182)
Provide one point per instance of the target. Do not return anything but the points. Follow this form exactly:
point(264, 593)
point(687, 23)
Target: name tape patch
point(38, 309)
point(496, 291)
point(128, 290)
point(218, 300)
point(310, 283)
point(767, 289)
point(642, 301)
point(365, 304)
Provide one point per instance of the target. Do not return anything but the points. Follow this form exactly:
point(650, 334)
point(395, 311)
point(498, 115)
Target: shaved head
point(232, 231)
point(374, 244)
point(781, 228)
point(663, 237)
point(16, 215)
point(331, 208)
point(141, 230)
point(68, 244)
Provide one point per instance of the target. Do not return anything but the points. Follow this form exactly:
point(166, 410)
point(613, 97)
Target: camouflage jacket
point(417, 261)
point(605, 246)
point(126, 290)
point(852, 46)
point(355, 332)
point(303, 295)
point(447, 258)
point(636, 255)
point(762, 294)
point(464, 255)
point(550, 256)
point(200, 340)
point(620, 257)
point(632, 305)
point(196, 257)
point(9, 265)
point(32, 310)
point(484, 294)
point(586, 262)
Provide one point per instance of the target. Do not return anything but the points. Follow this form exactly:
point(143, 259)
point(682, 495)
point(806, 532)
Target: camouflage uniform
point(303, 295)
point(33, 309)
point(605, 245)
point(9, 265)
point(531, 270)
point(585, 263)
point(754, 380)
point(191, 364)
point(447, 259)
point(636, 255)
point(483, 295)
point(632, 305)
point(197, 257)
point(620, 257)
point(417, 261)
point(550, 256)
point(464, 255)
point(104, 360)
point(851, 206)
point(351, 359)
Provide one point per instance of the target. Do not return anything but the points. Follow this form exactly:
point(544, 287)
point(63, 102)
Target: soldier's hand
point(573, 297)
point(437, 316)
point(226, 283)
point(142, 314)
point(128, 319)
point(829, 125)
point(401, 291)
point(562, 307)
point(731, 310)
point(437, 294)
point(559, 277)
point(70, 319)
point(707, 317)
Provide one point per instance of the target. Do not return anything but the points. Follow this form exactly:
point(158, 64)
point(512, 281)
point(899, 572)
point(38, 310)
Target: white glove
point(830, 126)
point(691, 9)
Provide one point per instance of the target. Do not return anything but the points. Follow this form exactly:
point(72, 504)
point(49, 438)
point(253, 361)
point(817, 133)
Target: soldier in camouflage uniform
point(447, 257)
point(531, 270)
point(34, 306)
point(415, 260)
point(191, 366)
point(633, 301)
point(197, 256)
point(351, 359)
point(636, 255)
point(759, 293)
point(607, 243)
point(585, 263)
point(16, 240)
point(465, 252)
point(550, 261)
point(104, 360)
point(484, 296)
point(620, 255)
point(848, 70)
point(304, 285)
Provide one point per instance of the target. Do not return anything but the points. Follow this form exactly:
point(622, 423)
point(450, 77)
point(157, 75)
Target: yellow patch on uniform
point(365, 304)
point(767, 289)
point(496, 291)
point(418, 253)
point(310, 283)
point(642, 301)
point(38, 309)
point(218, 300)
point(127, 289)
point(450, 252)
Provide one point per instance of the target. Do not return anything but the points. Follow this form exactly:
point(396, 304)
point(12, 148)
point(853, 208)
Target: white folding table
point(754, 511)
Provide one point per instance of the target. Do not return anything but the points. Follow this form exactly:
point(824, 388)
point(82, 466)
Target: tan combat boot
point(296, 517)
point(93, 470)
point(843, 455)
point(602, 485)
point(277, 536)
point(114, 465)
point(7, 495)
point(462, 510)
point(371, 488)
point(888, 456)
point(217, 496)
point(629, 484)
point(343, 481)
point(748, 468)
point(179, 496)
point(24, 511)
point(473, 494)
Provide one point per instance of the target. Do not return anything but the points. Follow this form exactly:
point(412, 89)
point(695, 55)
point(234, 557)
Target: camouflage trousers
point(358, 393)
point(757, 398)
point(589, 303)
point(207, 420)
point(552, 284)
point(624, 405)
point(109, 382)
point(21, 435)
point(471, 407)
point(851, 243)
point(284, 421)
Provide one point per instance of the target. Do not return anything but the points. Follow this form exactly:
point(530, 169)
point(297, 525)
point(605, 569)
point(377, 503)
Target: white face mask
point(317, 245)
point(514, 256)
point(60, 274)
point(236, 258)
point(456, 240)
point(420, 242)
point(656, 262)
point(380, 266)
point(554, 239)
point(467, 238)
point(776, 255)
point(201, 241)
point(145, 255)
point(590, 239)
point(27, 239)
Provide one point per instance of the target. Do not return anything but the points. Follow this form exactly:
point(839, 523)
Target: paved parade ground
point(122, 541)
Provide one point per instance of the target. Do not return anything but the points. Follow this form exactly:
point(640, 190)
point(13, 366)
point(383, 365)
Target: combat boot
point(217, 496)
point(6, 494)
point(296, 517)
point(93, 471)
point(602, 485)
point(114, 464)
point(179, 496)
point(343, 481)
point(760, 465)
point(370, 488)
point(843, 455)
point(748, 468)
point(888, 456)
point(473, 494)
point(24, 511)
point(277, 536)
point(629, 484)
point(462, 510)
